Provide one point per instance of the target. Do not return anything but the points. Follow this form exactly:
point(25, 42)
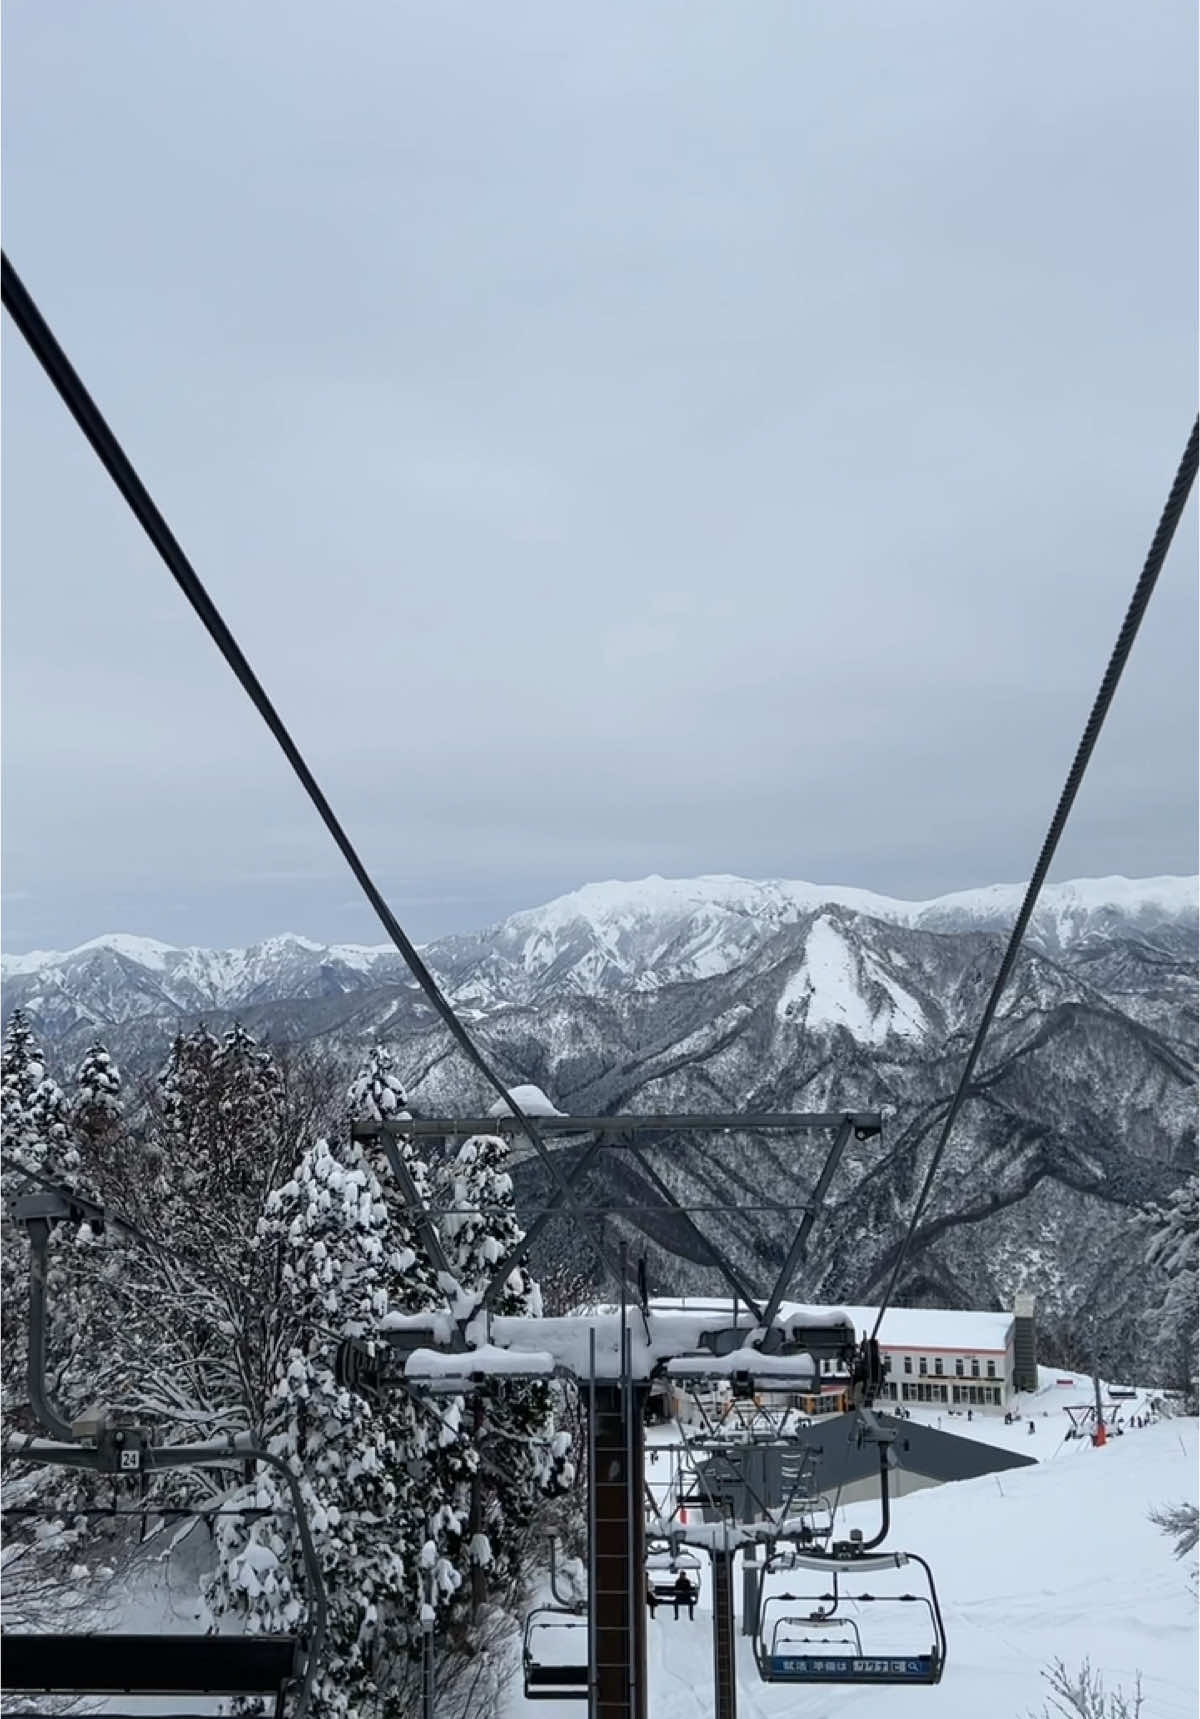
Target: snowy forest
point(262, 1238)
point(258, 1236)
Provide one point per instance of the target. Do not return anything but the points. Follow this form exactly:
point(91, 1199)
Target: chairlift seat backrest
point(150, 1664)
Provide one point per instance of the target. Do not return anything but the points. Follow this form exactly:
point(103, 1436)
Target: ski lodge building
point(931, 1355)
point(980, 1361)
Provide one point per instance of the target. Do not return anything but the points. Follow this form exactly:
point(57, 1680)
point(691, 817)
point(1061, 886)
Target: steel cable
point(53, 360)
point(1143, 590)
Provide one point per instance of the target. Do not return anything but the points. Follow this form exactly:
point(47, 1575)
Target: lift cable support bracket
point(618, 1133)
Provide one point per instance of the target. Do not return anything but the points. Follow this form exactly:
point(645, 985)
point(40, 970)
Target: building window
point(991, 1369)
point(922, 1365)
point(937, 1365)
point(958, 1393)
point(941, 1391)
point(958, 1366)
point(974, 1366)
point(908, 1392)
point(887, 1364)
point(908, 1363)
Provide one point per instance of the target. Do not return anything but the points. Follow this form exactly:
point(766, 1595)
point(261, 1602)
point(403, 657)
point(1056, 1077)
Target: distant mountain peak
point(602, 939)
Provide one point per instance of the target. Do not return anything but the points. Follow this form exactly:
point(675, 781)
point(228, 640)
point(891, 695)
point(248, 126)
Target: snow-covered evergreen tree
point(376, 1095)
point(21, 1069)
point(220, 1132)
point(35, 1135)
point(98, 1128)
point(369, 1467)
point(221, 1150)
point(516, 1423)
point(33, 1113)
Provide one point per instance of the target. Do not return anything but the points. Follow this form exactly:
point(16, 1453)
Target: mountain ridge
point(727, 995)
point(1066, 909)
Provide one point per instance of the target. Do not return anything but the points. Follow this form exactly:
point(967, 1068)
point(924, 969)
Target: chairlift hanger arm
point(37, 1228)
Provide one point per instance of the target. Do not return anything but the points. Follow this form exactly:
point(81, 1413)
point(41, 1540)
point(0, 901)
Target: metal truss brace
point(796, 1253)
point(518, 1254)
point(728, 1271)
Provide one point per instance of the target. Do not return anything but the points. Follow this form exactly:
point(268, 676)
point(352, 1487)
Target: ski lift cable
point(1143, 590)
point(66, 381)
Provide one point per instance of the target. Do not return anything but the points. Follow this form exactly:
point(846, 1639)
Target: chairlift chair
point(104, 1441)
point(279, 1667)
point(775, 1652)
point(664, 1566)
point(548, 1677)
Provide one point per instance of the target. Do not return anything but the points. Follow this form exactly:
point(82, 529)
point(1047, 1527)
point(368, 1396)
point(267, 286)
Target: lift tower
point(749, 1345)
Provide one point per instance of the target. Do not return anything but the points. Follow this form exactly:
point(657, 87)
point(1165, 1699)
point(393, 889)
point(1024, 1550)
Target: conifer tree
point(97, 1090)
point(377, 1094)
point(375, 1513)
point(36, 1135)
point(480, 1228)
point(98, 1126)
point(221, 1149)
point(32, 1107)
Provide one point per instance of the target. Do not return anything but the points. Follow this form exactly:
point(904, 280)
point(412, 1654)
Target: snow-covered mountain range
point(729, 995)
point(601, 939)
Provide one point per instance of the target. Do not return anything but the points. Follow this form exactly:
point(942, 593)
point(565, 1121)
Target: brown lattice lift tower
point(751, 1348)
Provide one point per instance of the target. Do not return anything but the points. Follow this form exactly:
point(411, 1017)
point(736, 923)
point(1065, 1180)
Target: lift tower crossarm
point(865, 1123)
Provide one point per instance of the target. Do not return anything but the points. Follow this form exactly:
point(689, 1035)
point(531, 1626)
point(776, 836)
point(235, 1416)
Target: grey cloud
point(672, 440)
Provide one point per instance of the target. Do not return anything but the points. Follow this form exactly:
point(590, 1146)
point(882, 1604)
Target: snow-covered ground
point(1058, 1561)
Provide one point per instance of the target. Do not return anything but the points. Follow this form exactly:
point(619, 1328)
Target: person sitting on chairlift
point(651, 1596)
point(685, 1595)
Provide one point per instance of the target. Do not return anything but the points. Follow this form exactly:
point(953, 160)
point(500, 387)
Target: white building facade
point(938, 1356)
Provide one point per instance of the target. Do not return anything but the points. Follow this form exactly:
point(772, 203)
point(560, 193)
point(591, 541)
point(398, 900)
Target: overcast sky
point(646, 438)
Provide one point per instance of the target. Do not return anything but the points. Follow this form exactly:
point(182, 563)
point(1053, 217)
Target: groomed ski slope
point(1058, 1561)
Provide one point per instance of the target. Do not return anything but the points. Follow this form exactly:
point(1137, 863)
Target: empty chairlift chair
point(818, 1637)
point(554, 1656)
point(143, 1665)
